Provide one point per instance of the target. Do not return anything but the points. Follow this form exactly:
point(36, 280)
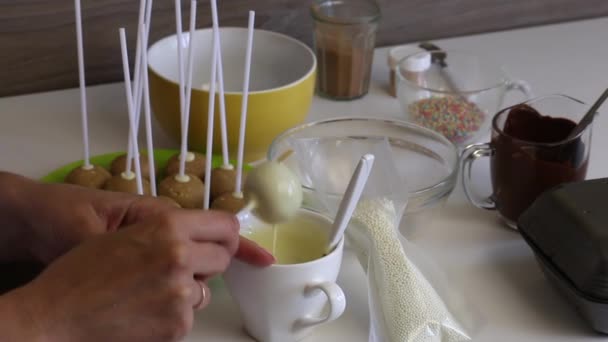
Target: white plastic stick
point(188, 91)
point(211, 111)
point(83, 92)
point(180, 70)
point(351, 198)
point(147, 115)
point(220, 78)
point(147, 21)
point(190, 65)
point(137, 89)
point(243, 124)
point(129, 95)
point(136, 75)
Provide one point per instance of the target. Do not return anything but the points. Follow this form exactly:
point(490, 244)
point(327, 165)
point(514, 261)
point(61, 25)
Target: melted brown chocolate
point(521, 170)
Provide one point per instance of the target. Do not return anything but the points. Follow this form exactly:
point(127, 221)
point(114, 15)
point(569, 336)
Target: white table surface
point(490, 265)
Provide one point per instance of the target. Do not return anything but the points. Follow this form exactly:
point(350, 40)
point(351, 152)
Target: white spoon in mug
point(350, 200)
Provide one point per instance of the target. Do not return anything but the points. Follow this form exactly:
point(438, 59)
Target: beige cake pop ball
point(222, 181)
point(119, 165)
point(275, 191)
point(187, 192)
point(169, 200)
point(195, 165)
point(93, 177)
point(128, 184)
point(229, 202)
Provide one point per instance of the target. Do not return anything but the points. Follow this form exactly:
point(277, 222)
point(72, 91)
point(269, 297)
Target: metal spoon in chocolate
point(588, 118)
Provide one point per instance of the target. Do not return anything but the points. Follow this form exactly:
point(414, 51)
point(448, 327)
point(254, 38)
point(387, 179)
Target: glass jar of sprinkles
point(460, 94)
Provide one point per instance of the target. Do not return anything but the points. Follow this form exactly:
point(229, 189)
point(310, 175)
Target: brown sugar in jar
point(344, 72)
point(345, 38)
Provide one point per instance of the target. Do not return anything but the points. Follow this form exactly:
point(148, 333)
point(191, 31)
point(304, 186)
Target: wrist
point(16, 234)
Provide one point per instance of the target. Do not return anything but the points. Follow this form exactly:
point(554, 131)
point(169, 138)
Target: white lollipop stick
point(188, 91)
point(83, 92)
point(138, 76)
point(182, 100)
point(189, 66)
point(129, 95)
point(147, 116)
point(350, 199)
point(147, 21)
point(211, 109)
point(137, 90)
point(241, 148)
point(220, 77)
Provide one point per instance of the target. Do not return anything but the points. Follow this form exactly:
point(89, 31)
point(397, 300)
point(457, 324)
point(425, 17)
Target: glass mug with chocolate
point(531, 151)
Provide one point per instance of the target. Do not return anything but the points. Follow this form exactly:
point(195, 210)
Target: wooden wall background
point(37, 44)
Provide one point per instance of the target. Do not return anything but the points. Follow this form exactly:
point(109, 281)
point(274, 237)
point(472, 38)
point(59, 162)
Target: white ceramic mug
point(282, 303)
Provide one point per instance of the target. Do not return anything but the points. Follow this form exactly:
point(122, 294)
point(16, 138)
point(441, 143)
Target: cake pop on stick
point(89, 175)
point(185, 162)
point(119, 164)
point(234, 201)
point(224, 176)
point(127, 182)
point(188, 90)
point(195, 164)
point(184, 188)
point(211, 108)
point(272, 192)
point(229, 202)
point(124, 182)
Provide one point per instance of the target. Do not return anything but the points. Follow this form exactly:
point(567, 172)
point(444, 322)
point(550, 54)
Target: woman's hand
point(138, 284)
point(66, 215)
point(43, 221)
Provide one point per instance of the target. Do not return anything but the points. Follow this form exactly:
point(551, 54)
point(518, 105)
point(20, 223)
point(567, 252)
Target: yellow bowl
point(281, 87)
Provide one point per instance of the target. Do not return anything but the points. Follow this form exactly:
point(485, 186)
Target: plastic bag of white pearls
point(404, 305)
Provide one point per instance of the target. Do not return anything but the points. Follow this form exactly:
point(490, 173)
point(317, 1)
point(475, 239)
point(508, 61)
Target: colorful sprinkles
point(454, 117)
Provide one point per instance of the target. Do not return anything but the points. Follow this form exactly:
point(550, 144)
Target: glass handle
point(521, 86)
point(468, 156)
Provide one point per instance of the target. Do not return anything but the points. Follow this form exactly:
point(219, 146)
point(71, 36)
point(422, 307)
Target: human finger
point(210, 226)
point(208, 259)
point(251, 253)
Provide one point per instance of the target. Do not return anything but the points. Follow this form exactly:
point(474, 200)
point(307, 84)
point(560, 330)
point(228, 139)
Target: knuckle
point(169, 221)
point(178, 255)
point(179, 293)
